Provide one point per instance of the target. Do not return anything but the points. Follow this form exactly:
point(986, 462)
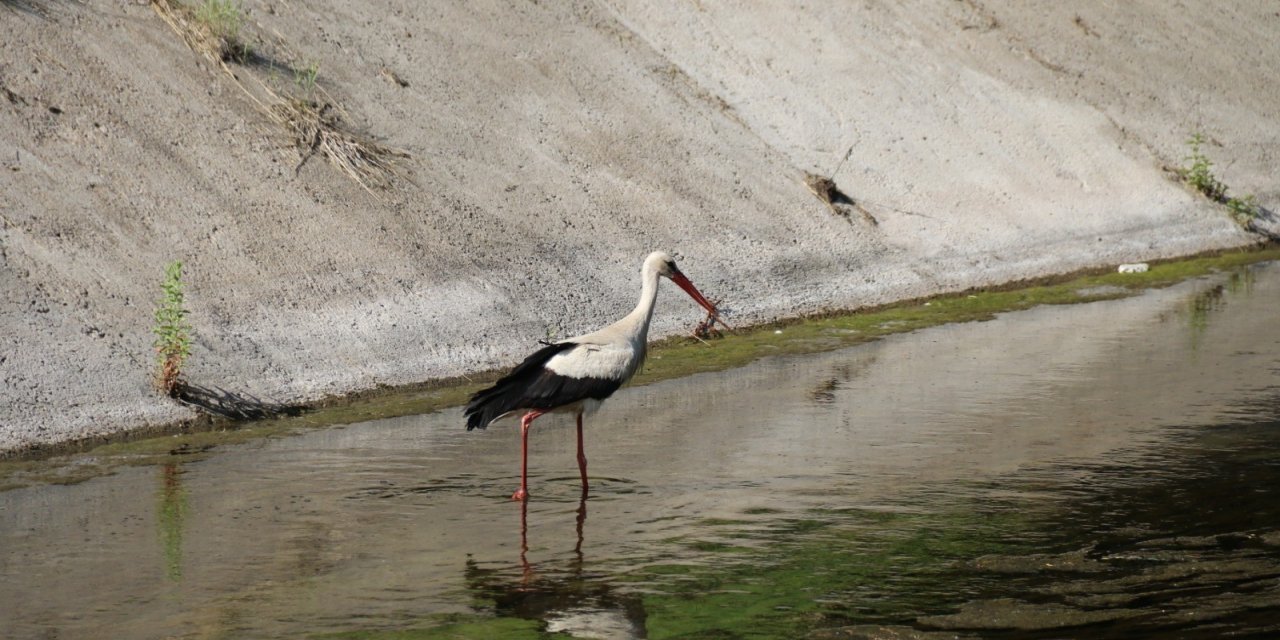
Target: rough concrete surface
point(552, 146)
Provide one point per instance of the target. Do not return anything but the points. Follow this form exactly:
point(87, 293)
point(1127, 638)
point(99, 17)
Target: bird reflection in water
point(562, 594)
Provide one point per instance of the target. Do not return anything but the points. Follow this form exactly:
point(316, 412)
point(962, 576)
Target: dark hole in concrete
point(826, 190)
point(840, 202)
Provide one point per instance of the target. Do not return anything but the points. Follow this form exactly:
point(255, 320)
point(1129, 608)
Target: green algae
point(807, 574)
point(679, 357)
point(669, 358)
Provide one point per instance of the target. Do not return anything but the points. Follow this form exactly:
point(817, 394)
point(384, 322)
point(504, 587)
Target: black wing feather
point(532, 386)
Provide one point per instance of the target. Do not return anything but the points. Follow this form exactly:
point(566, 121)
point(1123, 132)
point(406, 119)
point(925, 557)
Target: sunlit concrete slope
point(551, 146)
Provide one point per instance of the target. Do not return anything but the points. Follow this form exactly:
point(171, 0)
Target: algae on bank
point(669, 358)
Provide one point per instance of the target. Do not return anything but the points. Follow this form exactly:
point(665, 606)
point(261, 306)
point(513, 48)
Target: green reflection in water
point(171, 514)
point(1204, 306)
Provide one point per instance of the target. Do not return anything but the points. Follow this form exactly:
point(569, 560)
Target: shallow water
point(1104, 470)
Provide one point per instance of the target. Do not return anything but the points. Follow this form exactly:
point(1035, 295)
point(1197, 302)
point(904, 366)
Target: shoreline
point(670, 357)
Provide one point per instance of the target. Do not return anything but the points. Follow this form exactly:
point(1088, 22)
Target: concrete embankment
point(551, 146)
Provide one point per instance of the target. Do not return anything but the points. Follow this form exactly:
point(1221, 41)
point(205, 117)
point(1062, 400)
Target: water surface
point(1103, 470)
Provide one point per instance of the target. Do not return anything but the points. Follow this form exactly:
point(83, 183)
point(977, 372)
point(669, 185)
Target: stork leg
point(523, 492)
point(582, 457)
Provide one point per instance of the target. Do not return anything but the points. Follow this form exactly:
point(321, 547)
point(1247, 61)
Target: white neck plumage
point(637, 322)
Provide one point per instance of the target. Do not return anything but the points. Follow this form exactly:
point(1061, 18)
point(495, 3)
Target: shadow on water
point(825, 392)
point(1183, 543)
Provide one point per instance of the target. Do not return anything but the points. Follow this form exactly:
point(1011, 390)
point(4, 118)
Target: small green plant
point(305, 77)
point(1199, 175)
point(173, 334)
point(225, 18)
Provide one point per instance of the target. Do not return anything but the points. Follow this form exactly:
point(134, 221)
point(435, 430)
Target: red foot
point(520, 494)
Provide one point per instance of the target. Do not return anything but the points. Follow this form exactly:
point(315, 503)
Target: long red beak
point(684, 283)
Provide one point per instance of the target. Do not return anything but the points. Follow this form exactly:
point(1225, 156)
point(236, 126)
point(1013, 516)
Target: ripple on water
point(1103, 470)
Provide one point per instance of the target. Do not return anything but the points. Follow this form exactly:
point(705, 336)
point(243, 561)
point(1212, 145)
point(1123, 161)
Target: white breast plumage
point(607, 361)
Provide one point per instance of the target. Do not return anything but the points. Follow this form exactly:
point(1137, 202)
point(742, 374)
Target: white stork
point(577, 374)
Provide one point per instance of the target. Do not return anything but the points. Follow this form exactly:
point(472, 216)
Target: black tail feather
point(506, 394)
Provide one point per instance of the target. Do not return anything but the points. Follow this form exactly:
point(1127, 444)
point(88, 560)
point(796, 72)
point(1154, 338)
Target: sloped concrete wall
point(552, 146)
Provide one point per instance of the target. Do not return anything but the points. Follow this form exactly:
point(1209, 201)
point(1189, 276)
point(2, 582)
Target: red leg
point(582, 456)
point(523, 492)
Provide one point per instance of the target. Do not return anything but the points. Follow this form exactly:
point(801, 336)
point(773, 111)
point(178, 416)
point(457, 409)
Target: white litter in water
point(1140, 267)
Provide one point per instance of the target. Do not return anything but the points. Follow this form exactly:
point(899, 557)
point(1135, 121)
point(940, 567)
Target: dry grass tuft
point(214, 30)
point(317, 128)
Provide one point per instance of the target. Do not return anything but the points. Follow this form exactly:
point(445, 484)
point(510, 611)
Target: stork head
point(662, 262)
point(665, 266)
